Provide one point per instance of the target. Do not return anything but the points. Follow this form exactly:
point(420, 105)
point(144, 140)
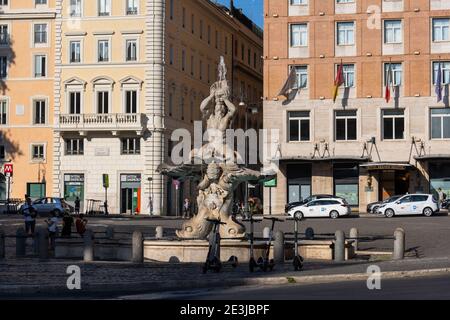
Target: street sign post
point(8, 170)
point(176, 184)
point(270, 184)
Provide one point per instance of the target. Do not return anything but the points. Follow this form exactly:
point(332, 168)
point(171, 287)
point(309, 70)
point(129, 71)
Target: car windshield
point(392, 199)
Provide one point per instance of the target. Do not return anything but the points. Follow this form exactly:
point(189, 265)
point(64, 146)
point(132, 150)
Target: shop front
point(74, 188)
point(299, 180)
point(130, 194)
point(346, 182)
point(439, 176)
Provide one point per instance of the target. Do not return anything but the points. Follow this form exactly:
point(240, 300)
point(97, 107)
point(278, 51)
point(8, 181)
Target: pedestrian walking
point(77, 205)
point(80, 224)
point(441, 198)
point(30, 214)
point(186, 209)
point(52, 229)
point(67, 225)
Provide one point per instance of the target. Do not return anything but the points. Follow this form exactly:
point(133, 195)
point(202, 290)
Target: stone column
point(339, 246)
point(154, 145)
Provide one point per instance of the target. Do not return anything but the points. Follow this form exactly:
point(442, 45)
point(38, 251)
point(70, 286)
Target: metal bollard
point(399, 244)
point(88, 254)
point(278, 247)
point(266, 233)
point(21, 242)
point(138, 247)
point(42, 239)
point(309, 234)
point(339, 246)
point(159, 232)
point(2, 244)
point(109, 233)
point(354, 235)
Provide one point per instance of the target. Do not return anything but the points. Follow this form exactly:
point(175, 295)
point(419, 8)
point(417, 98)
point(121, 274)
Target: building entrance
point(130, 194)
point(393, 183)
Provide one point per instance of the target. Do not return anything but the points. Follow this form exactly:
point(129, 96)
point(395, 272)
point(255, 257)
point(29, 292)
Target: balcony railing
point(101, 122)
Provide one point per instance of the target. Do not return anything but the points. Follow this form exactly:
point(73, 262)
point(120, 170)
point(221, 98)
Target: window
point(441, 29)
point(2, 152)
point(183, 60)
point(192, 24)
point(3, 112)
point(445, 67)
point(217, 40)
point(40, 66)
point(182, 108)
point(75, 8)
point(37, 152)
point(132, 7)
point(40, 33)
point(171, 55)
point(209, 34)
point(103, 51)
point(396, 76)
point(346, 182)
point(299, 35)
point(192, 65)
point(345, 1)
point(131, 146)
point(345, 33)
point(393, 124)
point(183, 18)
point(299, 126)
point(131, 101)
point(74, 147)
point(346, 129)
point(171, 9)
point(3, 66)
point(440, 123)
point(102, 102)
point(75, 102)
point(131, 46)
point(75, 51)
point(302, 76)
point(349, 75)
point(200, 71)
point(39, 112)
point(4, 34)
point(201, 29)
point(393, 31)
point(41, 2)
point(170, 104)
point(226, 45)
point(299, 2)
point(104, 7)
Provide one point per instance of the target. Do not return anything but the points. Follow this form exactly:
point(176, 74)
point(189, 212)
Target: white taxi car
point(414, 204)
point(323, 208)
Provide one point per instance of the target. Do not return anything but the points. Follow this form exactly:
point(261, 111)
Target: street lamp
point(251, 110)
point(150, 182)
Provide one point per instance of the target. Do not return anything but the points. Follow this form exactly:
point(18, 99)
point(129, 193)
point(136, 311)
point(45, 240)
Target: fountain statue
point(218, 172)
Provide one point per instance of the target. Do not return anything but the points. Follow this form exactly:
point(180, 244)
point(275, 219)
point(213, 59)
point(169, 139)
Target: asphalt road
point(430, 288)
point(425, 237)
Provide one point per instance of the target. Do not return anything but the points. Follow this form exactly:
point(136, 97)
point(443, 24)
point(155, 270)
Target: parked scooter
point(213, 261)
point(252, 262)
point(265, 263)
point(298, 259)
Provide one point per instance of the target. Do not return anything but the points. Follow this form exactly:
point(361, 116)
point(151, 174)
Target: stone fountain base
point(195, 251)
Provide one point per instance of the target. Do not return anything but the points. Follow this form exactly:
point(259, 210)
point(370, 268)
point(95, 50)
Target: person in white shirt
point(52, 229)
point(29, 213)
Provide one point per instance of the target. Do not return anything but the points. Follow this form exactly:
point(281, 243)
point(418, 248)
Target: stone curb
point(149, 287)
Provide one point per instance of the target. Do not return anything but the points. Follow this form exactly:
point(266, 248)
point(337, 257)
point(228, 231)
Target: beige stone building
point(361, 147)
point(128, 73)
point(26, 96)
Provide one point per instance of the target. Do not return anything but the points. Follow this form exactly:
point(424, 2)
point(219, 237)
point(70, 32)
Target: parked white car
point(413, 204)
point(323, 208)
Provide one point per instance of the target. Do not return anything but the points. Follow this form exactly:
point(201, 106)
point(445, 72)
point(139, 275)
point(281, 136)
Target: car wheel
point(389, 213)
point(334, 214)
point(298, 216)
point(428, 212)
point(375, 209)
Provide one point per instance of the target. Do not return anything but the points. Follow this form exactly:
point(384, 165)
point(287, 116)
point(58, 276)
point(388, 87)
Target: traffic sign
point(8, 169)
point(106, 181)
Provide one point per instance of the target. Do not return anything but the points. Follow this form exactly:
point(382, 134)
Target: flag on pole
point(388, 83)
point(291, 83)
point(339, 81)
point(439, 83)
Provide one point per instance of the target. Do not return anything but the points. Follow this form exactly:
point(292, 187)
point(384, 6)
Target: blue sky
point(252, 8)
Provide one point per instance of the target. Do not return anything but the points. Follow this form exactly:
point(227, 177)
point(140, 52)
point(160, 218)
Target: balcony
point(102, 122)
